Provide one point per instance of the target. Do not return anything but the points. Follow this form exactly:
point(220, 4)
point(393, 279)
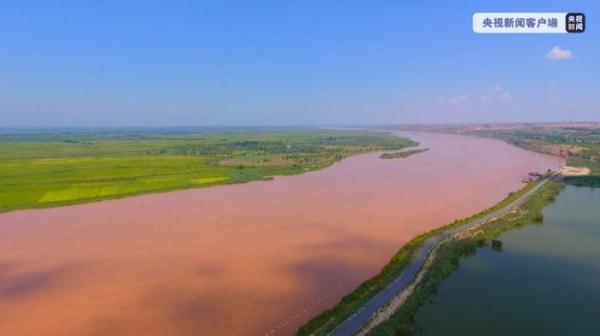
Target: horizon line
point(294, 125)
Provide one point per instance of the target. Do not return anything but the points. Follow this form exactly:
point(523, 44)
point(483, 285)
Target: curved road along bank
point(355, 322)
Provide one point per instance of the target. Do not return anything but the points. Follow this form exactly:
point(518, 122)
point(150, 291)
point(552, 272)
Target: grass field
point(42, 168)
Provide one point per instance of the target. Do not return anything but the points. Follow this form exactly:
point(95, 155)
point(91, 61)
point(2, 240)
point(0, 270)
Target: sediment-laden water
point(248, 259)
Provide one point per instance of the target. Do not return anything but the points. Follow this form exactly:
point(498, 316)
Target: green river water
point(545, 281)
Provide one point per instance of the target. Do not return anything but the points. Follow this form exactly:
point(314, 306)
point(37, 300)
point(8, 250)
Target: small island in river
point(402, 154)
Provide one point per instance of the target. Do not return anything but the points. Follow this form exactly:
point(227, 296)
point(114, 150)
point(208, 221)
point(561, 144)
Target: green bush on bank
point(328, 320)
point(402, 322)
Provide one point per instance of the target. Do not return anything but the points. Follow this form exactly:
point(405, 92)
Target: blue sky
point(172, 63)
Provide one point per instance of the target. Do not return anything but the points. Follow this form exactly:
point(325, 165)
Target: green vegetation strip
point(54, 167)
point(328, 320)
point(580, 146)
point(403, 154)
point(402, 322)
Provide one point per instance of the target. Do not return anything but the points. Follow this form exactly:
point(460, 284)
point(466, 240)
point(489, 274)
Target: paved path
point(364, 314)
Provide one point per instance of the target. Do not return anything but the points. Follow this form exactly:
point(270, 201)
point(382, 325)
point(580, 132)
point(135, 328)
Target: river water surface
point(247, 259)
point(546, 280)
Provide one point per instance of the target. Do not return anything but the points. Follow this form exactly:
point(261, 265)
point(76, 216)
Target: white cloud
point(558, 54)
point(459, 100)
point(495, 89)
point(552, 93)
point(497, 92)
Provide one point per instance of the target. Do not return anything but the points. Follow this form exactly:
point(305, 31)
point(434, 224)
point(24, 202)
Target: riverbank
point(246, 258)
point(578, 144)
point(540, 281)
point(446, 258)
point(402, 154)
point(349, 305)
point(41, 168)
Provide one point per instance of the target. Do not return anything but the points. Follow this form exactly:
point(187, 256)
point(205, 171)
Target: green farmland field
point(45, 168)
